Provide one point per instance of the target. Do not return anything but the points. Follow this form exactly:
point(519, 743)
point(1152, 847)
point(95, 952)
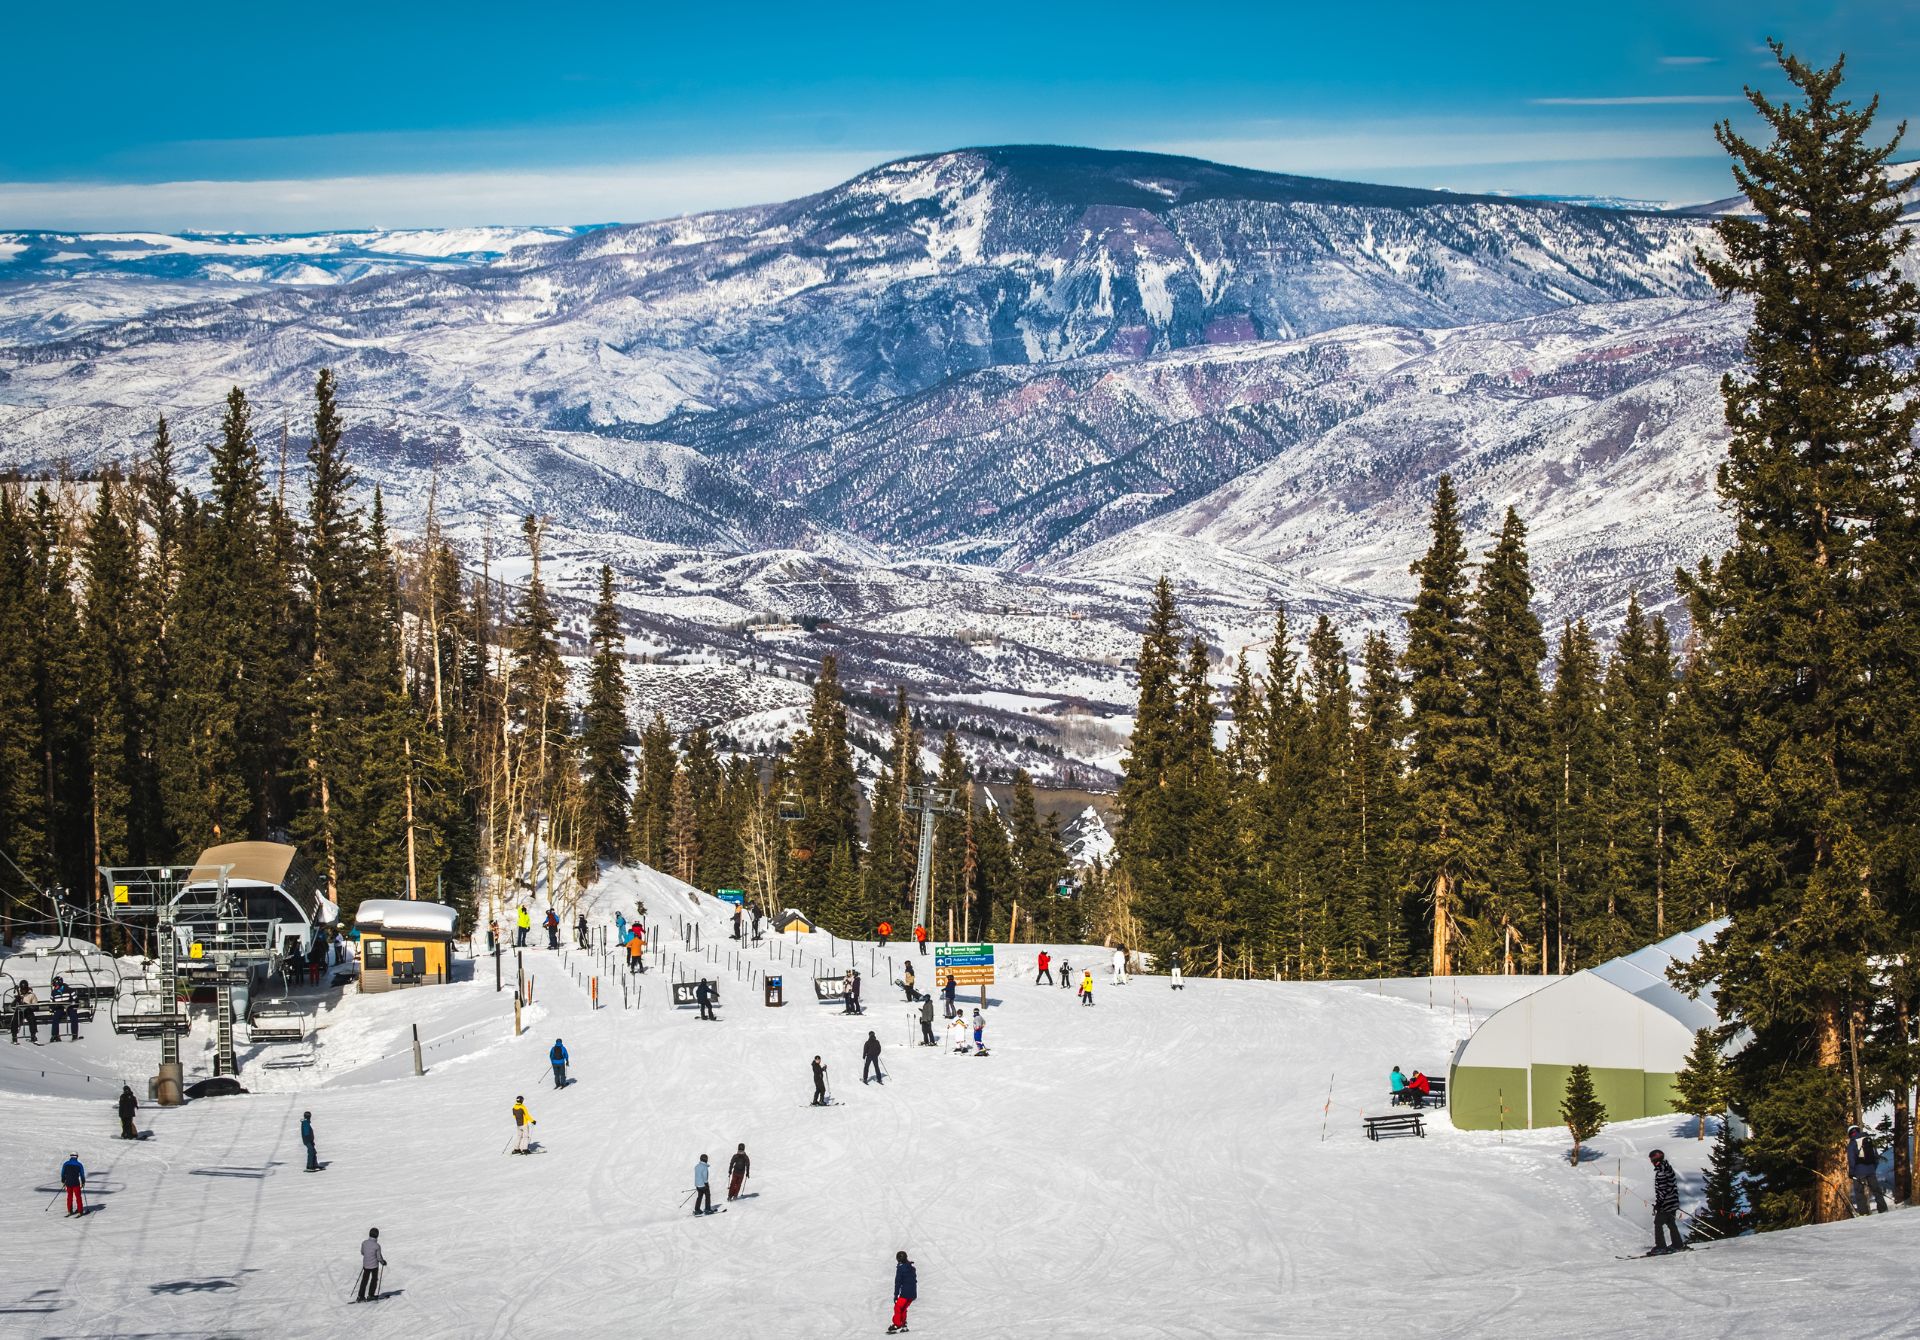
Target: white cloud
point(1689, 60)
point(622, 191)
point(1648, 100)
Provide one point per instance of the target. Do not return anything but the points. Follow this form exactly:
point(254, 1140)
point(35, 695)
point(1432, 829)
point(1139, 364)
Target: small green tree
point(1582, 1110)
point(1725, 1214)
point(1701, 1085)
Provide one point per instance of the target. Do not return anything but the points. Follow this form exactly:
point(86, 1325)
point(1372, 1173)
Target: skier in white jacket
point(1119, 967)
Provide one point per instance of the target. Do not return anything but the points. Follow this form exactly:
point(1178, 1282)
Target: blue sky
point(299, 117)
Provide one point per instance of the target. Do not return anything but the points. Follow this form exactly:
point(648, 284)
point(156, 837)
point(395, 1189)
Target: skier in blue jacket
point(559, 1058)
point(906, 1288)
point(73, 1176)
point(306, 1138)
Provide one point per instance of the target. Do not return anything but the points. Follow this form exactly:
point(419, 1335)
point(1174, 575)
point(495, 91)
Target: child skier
point(979, 1034)
point(1086, 988)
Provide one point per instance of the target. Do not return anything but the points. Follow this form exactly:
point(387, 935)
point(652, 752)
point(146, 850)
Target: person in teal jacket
point(1399, 1082)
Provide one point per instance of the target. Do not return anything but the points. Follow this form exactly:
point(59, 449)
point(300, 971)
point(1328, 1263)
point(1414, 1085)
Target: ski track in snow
point(1150, 1166)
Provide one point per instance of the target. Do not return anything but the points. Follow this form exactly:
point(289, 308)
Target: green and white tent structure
point(1622, 1019)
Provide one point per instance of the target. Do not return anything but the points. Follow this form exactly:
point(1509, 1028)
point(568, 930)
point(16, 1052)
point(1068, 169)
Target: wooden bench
point(1398, 1123)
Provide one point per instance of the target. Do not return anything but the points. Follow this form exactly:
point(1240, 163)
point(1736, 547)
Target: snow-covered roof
point(1623, 1014)
point(402, 916)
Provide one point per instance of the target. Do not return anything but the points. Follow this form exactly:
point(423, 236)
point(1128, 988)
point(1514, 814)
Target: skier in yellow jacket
point(523, 1124)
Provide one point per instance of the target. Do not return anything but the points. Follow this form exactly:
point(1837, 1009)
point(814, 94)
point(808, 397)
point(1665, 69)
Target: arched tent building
point(1623, 1019)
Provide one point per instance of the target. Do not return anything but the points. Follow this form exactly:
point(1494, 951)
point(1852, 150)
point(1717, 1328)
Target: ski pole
point(56, 1196)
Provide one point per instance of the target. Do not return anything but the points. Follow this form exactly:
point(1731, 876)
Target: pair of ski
point(1670, 1251)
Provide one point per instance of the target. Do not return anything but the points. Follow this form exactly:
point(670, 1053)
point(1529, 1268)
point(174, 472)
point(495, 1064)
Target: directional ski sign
point(969, 965)
point(734, 896)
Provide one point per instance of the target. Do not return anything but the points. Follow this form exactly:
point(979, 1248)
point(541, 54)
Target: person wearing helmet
point(523, 1124)
point(73, 1176)
point(372, 1260)
point(1666, 1206)
point(558, 1057)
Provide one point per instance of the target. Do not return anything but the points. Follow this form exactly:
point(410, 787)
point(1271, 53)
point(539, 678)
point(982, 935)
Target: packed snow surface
point(1160, 1164)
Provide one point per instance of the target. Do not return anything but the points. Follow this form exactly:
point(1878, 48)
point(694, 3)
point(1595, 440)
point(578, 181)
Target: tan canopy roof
point(258, 862)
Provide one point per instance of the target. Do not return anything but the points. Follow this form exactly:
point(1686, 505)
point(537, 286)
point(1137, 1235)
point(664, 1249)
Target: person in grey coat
point(926, 1022)
point(372, 1261)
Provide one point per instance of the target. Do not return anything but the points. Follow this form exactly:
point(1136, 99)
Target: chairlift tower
point(930, 802)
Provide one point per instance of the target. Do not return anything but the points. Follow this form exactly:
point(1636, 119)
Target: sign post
point(967, 965)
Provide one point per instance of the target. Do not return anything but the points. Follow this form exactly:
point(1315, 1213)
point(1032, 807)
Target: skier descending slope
point(871, 1066)
point(702, 1191)
point(906, 1288)
point(73, 1176)
point(739, 1168)
point(372, 1260)
point(558, 1057)
point(523, 1124)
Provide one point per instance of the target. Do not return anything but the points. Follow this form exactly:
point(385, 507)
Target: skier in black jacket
point(906, 1288)
point(872, 1054)
point(703, 995)
point(819, 1082)
point(128, 1105)
point(738, 1169)
point(1666, 1206)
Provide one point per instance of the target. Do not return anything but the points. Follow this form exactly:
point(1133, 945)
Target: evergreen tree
point(1507, 700)
point(1581, 1110)
point(113, 676)
point(1149, 842)
point(1039, 863)
point(653, 797)
point(23, 811)
point(603, 735)
point(1378, 788)
point(1793, 616)
point(1586, 929)
point(62, 728)
point(1725, 1214)
point(1701, 1086)
point(828, 881)
point(1446, 774)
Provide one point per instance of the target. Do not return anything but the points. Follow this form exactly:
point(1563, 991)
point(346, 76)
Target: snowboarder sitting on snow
point(1666, 1204)
point(871, 1064)
point(1863, 1170)
point(128, 1105)
point(703, 997)
point(737, 1169)
point(558, 1056)
point(371, 1261)
point(1086, 988)
point(306, 1138)
point(702, 1192)
point(73, 1176)
point(523, 1124)
point(819, 1082)
point(1042, 971)
point(906, 981)
point(906, 1288)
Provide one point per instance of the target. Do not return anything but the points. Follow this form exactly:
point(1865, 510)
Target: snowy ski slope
point(1151, 1166)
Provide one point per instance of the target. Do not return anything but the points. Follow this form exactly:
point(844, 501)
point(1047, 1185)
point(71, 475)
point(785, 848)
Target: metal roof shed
point(1623, 1019)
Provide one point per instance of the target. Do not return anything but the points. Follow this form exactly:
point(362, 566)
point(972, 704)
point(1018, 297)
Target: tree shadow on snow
point(1588, 1154)
point(193, 1286)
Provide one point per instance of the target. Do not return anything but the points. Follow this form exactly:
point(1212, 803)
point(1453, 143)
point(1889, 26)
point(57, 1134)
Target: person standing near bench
point(127, 1106)
point(1397, 1082)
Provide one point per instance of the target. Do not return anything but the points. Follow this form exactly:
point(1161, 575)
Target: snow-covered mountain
point(960, 407)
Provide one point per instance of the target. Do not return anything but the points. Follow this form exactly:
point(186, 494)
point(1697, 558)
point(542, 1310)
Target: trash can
point(775, 996)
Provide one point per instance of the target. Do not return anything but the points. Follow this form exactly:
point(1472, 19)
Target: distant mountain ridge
point(1079, 365)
